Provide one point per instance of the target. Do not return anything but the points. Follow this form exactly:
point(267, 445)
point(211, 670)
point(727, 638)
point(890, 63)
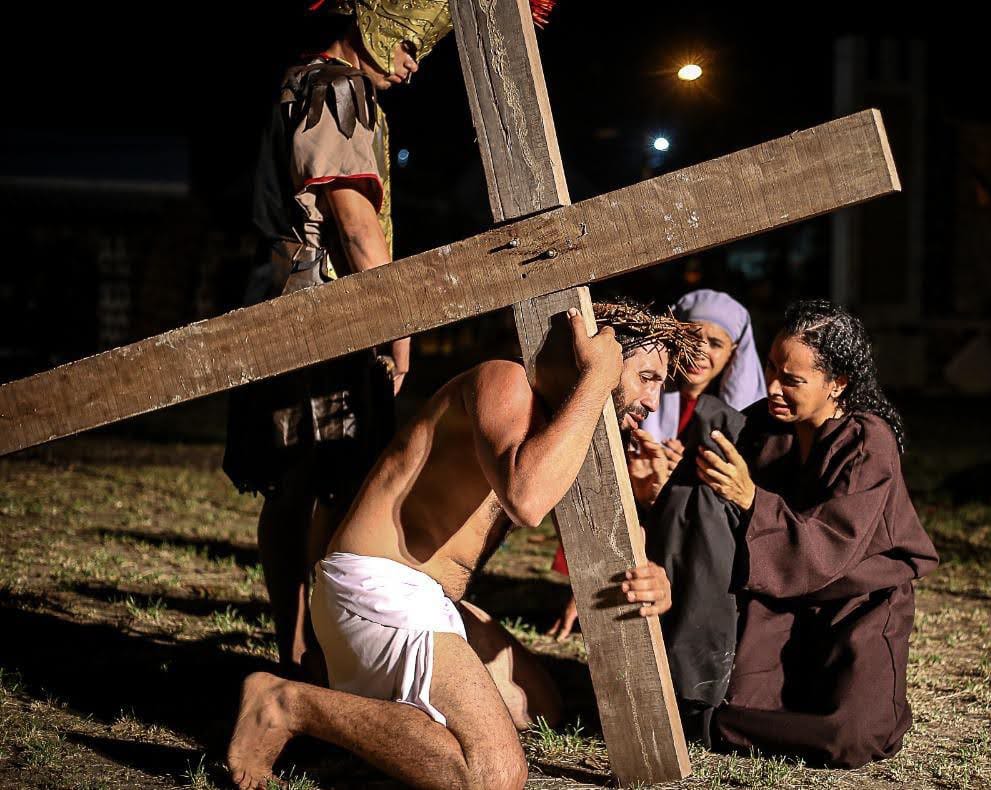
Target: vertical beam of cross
point(597, 519)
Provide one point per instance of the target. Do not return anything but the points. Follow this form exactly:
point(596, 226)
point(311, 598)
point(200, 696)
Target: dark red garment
point(687, 410)
point(824, 588)
point(560, 563)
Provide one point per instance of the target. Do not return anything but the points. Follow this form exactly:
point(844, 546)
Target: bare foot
point(260, 733)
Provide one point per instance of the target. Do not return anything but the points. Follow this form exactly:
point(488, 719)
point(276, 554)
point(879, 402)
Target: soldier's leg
point(283, 529)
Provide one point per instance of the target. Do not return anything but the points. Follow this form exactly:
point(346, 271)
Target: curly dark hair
point(842, 348)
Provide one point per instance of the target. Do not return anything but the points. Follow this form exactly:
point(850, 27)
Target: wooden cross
point(545, 247)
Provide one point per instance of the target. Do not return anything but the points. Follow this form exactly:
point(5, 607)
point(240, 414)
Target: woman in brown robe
point(828, 546)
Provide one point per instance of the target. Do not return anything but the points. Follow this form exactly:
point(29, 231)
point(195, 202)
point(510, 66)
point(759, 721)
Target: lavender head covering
point(743, 379)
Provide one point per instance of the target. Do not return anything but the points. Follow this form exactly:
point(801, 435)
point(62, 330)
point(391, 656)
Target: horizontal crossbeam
point(803, 175)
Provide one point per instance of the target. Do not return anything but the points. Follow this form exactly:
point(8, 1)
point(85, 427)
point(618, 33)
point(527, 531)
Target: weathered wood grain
point(602, 538)
point(597, 519)
point(509, 105)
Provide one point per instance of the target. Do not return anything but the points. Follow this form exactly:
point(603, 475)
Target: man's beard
point(637, 412)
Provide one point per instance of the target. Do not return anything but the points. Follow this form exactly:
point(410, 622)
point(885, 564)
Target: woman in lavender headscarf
point(730, 368)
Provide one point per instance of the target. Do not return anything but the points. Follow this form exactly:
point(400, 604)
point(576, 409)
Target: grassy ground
point(132, 605)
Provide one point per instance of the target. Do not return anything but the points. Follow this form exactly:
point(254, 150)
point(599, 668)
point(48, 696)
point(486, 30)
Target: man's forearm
point(366, 250)
point(548, 462)
point(365, 247)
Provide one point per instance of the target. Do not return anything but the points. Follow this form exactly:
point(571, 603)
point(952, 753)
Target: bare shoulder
point(498, 390)
point(500, 373)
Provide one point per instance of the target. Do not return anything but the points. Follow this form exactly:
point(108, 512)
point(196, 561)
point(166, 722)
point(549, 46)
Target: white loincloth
point(375, 620)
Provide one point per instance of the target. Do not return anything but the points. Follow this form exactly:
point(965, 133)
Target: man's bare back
point(427, 503)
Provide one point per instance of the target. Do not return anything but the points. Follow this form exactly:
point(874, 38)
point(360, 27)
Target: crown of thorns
point(636, 327)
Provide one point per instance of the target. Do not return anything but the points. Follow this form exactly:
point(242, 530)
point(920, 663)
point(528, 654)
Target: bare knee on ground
point(465, 693)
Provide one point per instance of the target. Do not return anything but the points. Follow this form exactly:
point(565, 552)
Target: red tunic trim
point(372, 185)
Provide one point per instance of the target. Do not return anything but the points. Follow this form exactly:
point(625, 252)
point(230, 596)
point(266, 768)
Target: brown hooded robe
point(824, 568)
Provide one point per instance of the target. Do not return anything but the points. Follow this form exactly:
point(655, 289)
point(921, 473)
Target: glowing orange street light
point(689, 72)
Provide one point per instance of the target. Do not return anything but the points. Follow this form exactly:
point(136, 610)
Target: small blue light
point(661, 144)
point(403, 157)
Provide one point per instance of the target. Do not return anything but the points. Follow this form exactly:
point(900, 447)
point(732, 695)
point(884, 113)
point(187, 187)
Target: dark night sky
point(160, 71)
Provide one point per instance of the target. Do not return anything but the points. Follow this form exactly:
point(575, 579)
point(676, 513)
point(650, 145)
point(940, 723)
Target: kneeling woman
point(827, 550)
